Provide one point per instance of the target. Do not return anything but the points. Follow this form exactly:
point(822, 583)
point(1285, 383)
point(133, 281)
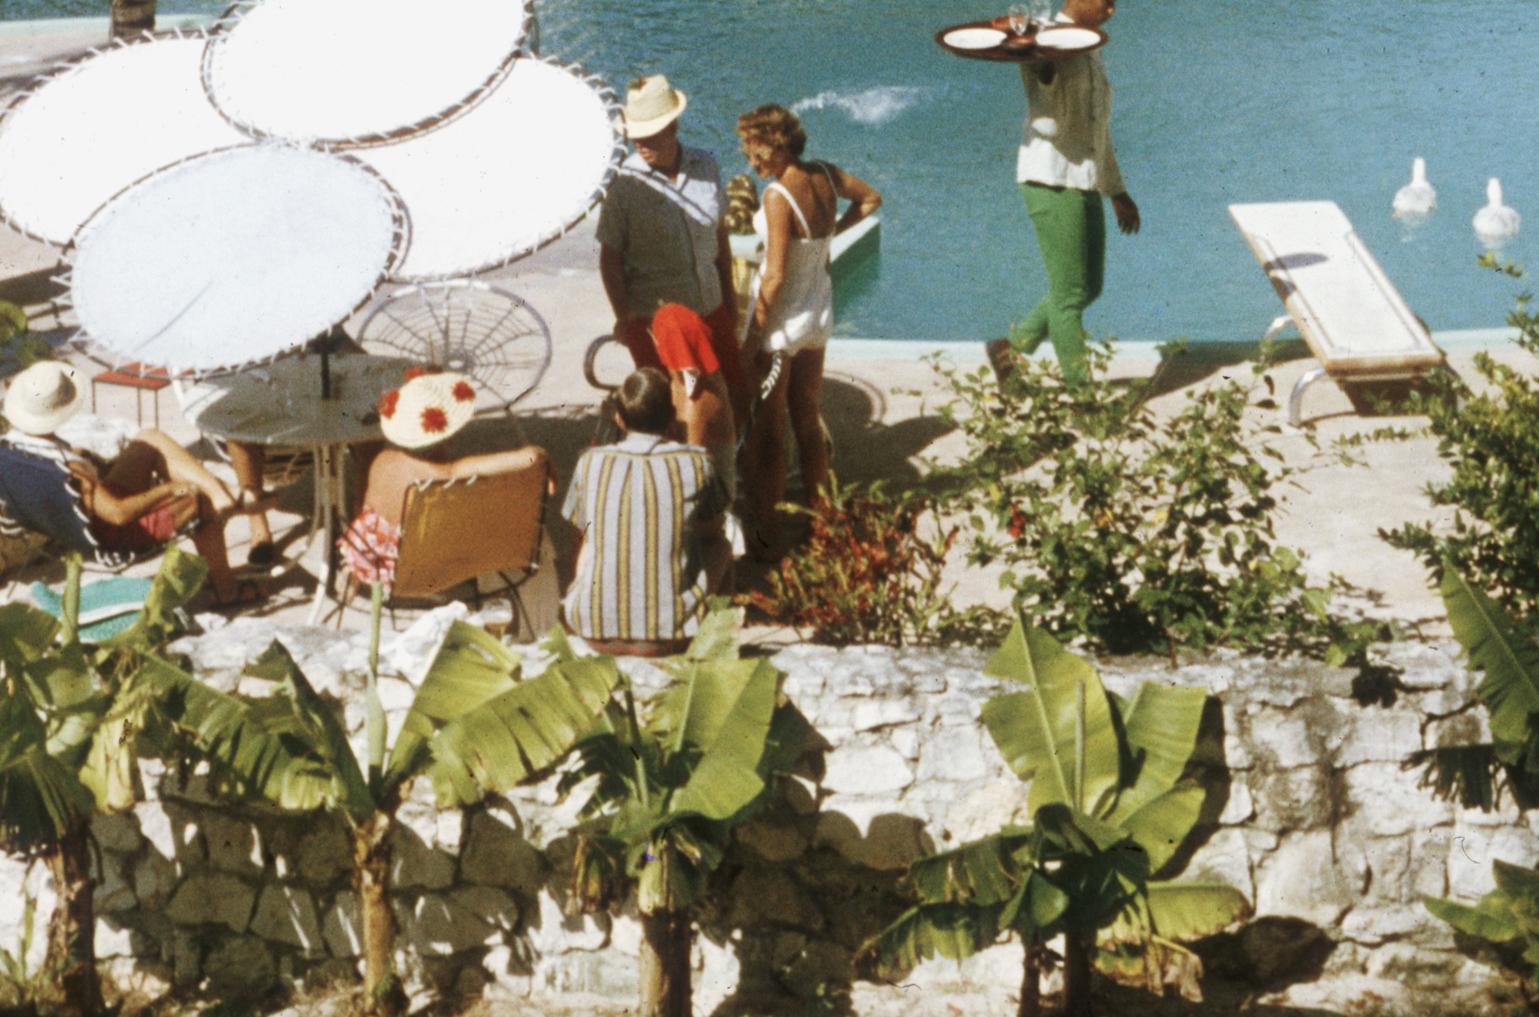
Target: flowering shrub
point(866, 573)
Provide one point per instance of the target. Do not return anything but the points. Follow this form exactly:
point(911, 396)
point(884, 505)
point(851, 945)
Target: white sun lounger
point(1354, 320)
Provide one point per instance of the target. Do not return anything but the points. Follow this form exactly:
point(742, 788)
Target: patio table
point(280, 404)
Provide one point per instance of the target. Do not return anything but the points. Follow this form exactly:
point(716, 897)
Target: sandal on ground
point(263, 554)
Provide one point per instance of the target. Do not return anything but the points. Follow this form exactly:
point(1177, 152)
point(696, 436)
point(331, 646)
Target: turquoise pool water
point(1217, 102)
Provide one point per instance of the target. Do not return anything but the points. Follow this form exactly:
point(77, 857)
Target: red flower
point(387, 403)
point(434, 420)
point(463, 393)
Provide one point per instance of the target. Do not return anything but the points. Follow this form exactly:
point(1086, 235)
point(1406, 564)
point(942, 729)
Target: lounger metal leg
point(1296, 399)
point(1279, 323)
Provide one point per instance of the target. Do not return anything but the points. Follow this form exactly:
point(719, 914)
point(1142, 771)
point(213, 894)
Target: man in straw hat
point(661, 235)
point(649, 513)
point(139, 500)
point(418, 420)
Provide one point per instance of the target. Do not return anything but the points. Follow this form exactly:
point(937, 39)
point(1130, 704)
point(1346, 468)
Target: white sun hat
point(347, 72)
point(43, 397)
point(507, 176)
point(652, 104)
point(98, 124)
point(427, 409)
point(233, 257)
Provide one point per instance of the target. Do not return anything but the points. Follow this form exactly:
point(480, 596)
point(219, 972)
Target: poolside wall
point(1314, 819)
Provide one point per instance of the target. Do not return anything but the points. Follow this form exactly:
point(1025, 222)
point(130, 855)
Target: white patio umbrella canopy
point(350, 71)
point(508, 175)
point(233, 257)
point(99, 124)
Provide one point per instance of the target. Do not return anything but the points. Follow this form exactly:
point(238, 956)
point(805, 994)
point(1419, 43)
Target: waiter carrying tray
point(1065, 166)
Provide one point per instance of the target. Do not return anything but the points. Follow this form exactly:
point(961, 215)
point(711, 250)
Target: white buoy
point(1418, 197)
point(1496, 223)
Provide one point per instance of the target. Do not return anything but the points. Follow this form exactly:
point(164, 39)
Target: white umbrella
point(345, 72)
point(506, 176)
point(98, 124)
point(234, 256)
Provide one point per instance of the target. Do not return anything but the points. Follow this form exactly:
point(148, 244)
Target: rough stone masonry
point(1310, 814)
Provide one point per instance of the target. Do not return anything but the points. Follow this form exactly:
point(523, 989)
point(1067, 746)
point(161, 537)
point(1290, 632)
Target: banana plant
point(670, 780)
point(1507, 658)
point(477, 726)
point(70, 723)
point(1109, 807)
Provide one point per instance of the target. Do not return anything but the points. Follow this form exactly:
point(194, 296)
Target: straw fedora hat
point(43, 397)
point(427, 408)
point(650, 105)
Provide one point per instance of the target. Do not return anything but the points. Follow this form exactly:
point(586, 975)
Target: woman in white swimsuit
point(792, 310)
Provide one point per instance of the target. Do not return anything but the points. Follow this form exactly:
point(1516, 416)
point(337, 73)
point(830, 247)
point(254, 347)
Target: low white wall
point(1312, 817)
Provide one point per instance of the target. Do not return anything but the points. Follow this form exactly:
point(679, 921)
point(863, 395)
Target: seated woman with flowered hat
point(418, 419)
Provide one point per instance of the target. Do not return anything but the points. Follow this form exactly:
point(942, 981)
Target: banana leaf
point(720, 634)
point(262, 747)
point(26, 634)
point(1508, 660)
point(1185, 911)
point(40, 797)
point(987, 871)
point(470, 668)
point(1491, 920)
point(1161, 729)
point(178, 580)
point(1160, 825)
point(726, 779)
point(1043, 733)
point(951, 930)
point(511, 737)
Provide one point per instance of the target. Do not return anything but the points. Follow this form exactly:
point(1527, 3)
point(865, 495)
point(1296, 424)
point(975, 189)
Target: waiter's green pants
point(1071, 230)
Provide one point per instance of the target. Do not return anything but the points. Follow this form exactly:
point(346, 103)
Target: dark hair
point(646, 401)
point(773, 127)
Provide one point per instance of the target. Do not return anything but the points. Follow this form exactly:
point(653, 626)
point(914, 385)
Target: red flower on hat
point(434, 420)
point(463, 393)
point(387, 403)
point(413, 373)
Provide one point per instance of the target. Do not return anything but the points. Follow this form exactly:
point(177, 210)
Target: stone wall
point(1312, 816)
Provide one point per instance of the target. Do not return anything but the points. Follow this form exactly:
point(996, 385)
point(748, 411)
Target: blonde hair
point(773, 126)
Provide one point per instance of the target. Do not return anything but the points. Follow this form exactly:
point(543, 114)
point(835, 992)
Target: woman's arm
point(863, 198)
point(101, 503)
point(777, 214)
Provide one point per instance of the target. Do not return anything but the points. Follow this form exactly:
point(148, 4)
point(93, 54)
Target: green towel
point(107, 606)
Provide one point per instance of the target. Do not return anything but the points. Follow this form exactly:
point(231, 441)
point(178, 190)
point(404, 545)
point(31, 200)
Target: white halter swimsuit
point(803, 315)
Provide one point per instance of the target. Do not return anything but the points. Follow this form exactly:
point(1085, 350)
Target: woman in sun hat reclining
point(141, 498)
point(418, 419)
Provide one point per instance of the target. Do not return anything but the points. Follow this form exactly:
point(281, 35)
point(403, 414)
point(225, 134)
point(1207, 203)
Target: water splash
point(870, 106)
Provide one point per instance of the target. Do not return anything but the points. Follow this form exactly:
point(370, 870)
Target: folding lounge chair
point(38, 495)
point(454, 531)
point(1354, 320)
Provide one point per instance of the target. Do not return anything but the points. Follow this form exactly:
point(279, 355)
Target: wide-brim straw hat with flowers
point(650, 105)
point(44, 396)
point(427, 408)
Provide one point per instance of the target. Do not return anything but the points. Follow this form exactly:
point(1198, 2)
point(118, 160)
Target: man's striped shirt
point(640, 575)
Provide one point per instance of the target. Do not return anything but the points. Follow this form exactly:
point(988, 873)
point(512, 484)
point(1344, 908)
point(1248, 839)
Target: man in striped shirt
point(649, 512)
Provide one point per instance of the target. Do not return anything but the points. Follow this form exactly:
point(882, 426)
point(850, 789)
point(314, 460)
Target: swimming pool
point(1216, 103)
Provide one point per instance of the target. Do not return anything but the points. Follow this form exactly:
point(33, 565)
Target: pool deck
point(880, 402)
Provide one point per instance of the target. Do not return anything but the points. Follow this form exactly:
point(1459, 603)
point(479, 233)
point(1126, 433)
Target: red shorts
point(723, 344)
point(154, 528)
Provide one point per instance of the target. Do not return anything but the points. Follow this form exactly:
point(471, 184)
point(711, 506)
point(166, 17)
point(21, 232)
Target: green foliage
point(1490, 441)
point(1110, 805)
point(21, 985)
point(1506, 919)
point(867, 572)
point(1507, 657)
point(1134, 530)
point(18, 345)
point(672, 778)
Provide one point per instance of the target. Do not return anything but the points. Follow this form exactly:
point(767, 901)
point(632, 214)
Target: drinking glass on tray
point(1019, 18)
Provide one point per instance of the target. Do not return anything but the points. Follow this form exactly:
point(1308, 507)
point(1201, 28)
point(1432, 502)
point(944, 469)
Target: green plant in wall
point(1135, 530)
point(1507, 658)
point(476, 726)
point(1109, 806)
point(71, 719)
point(671, 779)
